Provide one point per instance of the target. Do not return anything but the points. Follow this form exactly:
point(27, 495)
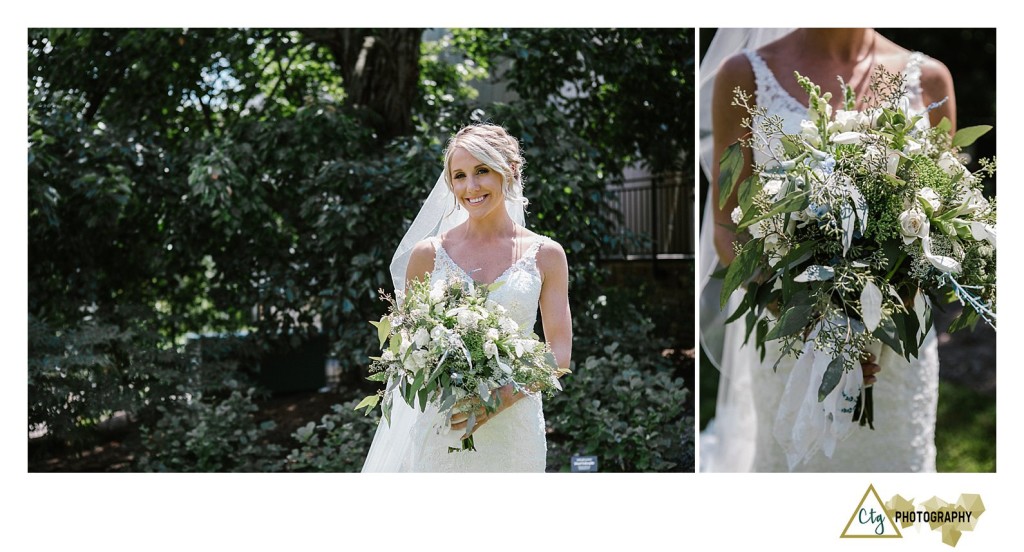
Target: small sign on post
point(584, 463)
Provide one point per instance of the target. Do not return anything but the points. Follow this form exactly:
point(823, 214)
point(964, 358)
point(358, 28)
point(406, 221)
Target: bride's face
point(476, 186)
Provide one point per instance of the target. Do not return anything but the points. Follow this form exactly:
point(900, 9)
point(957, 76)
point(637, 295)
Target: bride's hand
point(507, 397)
point(869, 367)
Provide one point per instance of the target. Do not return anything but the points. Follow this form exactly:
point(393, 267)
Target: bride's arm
point(421, 262)
point(727, 129)
point(936, 84)
point(554, 301)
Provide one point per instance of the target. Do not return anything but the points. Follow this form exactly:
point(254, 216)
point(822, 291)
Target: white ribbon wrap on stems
point(803, 424)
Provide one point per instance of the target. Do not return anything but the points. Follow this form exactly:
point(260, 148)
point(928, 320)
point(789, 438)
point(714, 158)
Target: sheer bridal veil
point(727, 444)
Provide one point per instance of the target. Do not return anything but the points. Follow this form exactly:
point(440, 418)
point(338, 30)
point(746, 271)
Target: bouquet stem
point(865, 409)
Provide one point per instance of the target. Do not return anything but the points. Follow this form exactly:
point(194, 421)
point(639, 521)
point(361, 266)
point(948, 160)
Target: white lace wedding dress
point(905, 395)
point(511, 441)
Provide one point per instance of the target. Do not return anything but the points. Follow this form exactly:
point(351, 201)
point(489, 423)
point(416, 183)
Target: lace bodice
point(777, 101)
point(521, 282)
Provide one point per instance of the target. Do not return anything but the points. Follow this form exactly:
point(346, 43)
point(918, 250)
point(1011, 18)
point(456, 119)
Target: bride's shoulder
point(421, 259)
point(550, 253)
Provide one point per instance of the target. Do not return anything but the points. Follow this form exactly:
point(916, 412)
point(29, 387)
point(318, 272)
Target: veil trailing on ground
point(395, 443)
point(728, 442)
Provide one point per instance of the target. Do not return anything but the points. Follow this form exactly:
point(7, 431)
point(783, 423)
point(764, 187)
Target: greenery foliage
point(338, 443)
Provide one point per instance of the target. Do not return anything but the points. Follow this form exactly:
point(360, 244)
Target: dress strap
point(769, 92)
point(912, 76)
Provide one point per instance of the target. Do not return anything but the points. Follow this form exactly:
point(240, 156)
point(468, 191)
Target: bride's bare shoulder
point(421, 260)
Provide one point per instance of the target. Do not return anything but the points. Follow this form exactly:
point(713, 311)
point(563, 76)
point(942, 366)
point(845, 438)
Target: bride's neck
point(498, 225)
point(847, 45)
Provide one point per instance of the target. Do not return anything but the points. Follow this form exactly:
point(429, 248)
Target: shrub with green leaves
point(204, 434)
point(624, 402)
point(338, 443)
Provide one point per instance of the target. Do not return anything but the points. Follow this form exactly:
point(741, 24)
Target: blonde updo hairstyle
point(493, 146)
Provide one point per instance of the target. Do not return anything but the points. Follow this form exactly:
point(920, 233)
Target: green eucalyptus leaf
point(730, 167)
point(742, 268)
point(793, 321)
point(748, 189)
point(831, 378)
point(966, 136)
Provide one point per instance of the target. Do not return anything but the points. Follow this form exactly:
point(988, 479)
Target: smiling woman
point(471, 230)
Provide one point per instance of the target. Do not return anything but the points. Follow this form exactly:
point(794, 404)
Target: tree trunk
point(380, 68)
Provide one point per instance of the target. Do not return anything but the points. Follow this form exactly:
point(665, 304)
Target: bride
point(472, 227)
point(746, 434)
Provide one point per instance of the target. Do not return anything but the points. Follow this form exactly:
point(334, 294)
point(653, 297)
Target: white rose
point(949, 163)
point(913, 225)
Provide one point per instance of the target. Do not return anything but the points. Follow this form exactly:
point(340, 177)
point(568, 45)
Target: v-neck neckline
point(526, 254)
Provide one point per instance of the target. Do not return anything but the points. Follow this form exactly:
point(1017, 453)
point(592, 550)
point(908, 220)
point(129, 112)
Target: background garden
point(212, 213)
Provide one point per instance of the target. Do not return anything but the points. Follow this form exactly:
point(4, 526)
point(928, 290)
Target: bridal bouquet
point(850, 224)
point(448, 344)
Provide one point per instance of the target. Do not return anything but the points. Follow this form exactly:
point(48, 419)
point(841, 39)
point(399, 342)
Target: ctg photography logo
point(874, 519)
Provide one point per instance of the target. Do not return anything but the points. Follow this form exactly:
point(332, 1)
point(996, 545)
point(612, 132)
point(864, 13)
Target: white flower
point(437, 291)
point(771, 188)
point(870, 118)
point(945, 264)
point(756, 229)
point(422, 337)
point(508, 325)
point(405, 343)
point(849, 137)
point(490, 349)
point(844, 121)
point(974, 202)
point(387, 356)
point(876, 156)
point(931, 197)
point(737, 215)
point(982, 231)
point(949, 163)
point(809, 132)
point(903, 105)
point(912, 147)
point(437, 332)
point(492, 334)
point(913, 224)
point(417, 360)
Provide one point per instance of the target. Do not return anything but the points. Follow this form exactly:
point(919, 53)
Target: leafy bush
point(339, 443)
point(624, 402)
point(197, 433)
point(82, 375)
